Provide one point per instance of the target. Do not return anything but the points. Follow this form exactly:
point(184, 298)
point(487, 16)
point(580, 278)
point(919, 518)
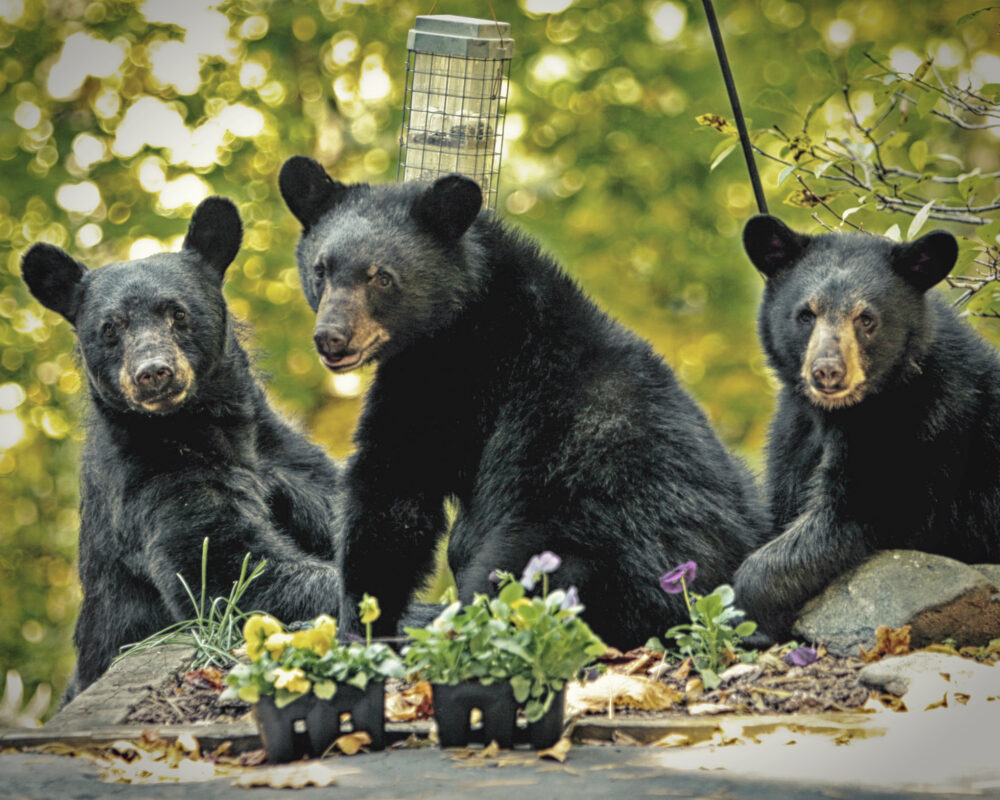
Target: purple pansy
point(494, 576)
point(801, 656)
point(571, 599)
point(674, 581)
point(546, 562)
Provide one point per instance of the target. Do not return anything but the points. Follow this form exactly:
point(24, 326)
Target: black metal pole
point(734, 101)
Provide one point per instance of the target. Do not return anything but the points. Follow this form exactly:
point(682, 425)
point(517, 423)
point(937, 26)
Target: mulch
point(771, 686)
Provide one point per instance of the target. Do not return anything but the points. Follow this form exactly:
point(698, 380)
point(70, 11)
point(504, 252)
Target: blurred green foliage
point(116, 118)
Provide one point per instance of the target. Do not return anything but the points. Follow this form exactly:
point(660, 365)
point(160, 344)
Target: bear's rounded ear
point(307, 189)
point(771, 244)
point(215, 233)
point(448, 207)
point(926, 261)
point(54, 278)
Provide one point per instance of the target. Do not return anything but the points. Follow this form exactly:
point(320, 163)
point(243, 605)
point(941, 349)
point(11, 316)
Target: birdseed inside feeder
point(457, 71)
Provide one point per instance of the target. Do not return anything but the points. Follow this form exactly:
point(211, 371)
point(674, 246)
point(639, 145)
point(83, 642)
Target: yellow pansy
point(517, 618)
point(326, 624)
point(256, 630)
point(276, 644)
point(312, 639)
point(292, 680)
point(249, 693)
point(369, 609)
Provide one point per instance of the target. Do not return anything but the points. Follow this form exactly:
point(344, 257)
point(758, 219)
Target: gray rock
point(991, 571)
point(939, 597)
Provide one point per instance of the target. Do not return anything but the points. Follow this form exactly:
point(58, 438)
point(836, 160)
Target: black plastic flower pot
point(453, 706)
point(546, 731)
point(308, 726)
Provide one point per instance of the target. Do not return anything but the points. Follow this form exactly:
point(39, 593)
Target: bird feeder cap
point(463, 37)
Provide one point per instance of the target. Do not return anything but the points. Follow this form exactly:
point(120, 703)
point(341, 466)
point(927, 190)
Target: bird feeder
point(457, 71)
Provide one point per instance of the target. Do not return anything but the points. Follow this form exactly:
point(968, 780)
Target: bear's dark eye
point(180, 315)
point(383, 279)
point(108, 331)
point(866, 321)
point(806, 316)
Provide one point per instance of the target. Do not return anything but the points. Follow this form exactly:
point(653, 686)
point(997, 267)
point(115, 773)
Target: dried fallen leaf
point(206, 678)
point(558, 751)
point(888, 642)
point(614, 689)
point(942, 703)
point(674, 739)
point(878, 702)
point(252, 758)
point(946, 649)
point(351, 743)
point(739, 671)
point(413, 703)
point(642, 662)
point(490, 750)
point(294, 776)
point(707, 709)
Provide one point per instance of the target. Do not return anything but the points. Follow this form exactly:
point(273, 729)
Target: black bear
point(181, 444)
point(886, 432)
point(499, 384)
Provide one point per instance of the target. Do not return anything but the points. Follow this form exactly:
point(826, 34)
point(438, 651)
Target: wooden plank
point(107, 701)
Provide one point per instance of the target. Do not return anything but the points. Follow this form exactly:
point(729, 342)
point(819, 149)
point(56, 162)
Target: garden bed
point(155, 690)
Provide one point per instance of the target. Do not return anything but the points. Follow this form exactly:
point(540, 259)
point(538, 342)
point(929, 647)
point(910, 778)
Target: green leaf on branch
point(926, 103)
point(919, 220)
point(918, 154)
point(721, 155)
point(973, 14)
point(820, 64)
point(773, 100)
point(857, 58)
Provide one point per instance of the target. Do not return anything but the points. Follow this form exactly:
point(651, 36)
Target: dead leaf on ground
point(558, 751)
point(206, 677)
point(942, 703)
point(938, 647)
point(878, 701)
point(707, 709)
point(351, 743)
point(412, 703)
point(888, 642)
point(293, 776)
point(614, 689)
point(675, 739)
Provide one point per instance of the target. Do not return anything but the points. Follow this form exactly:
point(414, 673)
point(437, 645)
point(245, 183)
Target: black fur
point(501, 385)
point(913, 459)
point(182, 445)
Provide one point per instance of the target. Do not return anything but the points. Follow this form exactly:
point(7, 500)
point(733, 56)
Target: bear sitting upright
point(501, 385)
point(181, 445)
point(886, 433)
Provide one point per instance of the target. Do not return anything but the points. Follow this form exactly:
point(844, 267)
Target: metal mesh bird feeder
point(457, 72)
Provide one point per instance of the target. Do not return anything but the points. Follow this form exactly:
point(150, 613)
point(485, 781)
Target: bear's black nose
point(153, 374)
point(828, 374)
point(331, 340)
